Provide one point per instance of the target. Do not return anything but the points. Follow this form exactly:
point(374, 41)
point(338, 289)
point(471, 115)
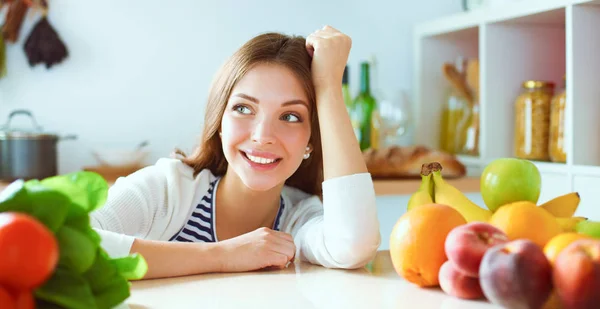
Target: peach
point(455, 283)
point(465, 245)
point(516, 274)
point(577, 274)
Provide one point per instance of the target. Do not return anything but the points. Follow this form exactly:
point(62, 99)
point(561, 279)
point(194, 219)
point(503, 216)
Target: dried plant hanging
point(14, 20)
point(44, 45)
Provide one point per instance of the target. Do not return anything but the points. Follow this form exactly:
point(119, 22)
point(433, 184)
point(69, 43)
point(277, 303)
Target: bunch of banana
point(434, 189)
point(563, 208)
point(423, 195)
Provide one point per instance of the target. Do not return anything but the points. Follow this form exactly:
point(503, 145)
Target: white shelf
point(523, 40)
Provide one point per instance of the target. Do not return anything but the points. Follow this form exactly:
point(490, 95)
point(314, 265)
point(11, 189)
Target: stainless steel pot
point(28, 154)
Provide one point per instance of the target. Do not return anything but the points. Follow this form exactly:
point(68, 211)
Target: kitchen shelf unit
point(523, 40)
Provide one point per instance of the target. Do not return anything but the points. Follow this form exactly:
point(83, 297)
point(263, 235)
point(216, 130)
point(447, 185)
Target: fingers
point(313, 39)
point(283, 235)
point(278, 260)
point(283, 246)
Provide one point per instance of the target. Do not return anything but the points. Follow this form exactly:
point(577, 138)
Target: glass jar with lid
point(532, 120)
point(557, 127)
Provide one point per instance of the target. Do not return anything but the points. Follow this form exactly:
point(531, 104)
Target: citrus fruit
point(417, 242)
point(559, 242)
point(524, 220)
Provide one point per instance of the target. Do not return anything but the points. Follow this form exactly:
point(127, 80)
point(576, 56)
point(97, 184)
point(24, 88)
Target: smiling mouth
point(260, 160)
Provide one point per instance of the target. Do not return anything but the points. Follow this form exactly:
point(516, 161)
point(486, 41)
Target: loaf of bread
point(406, 162)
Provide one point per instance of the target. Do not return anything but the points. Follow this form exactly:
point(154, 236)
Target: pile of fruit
point(50, 257)
point(514, 253)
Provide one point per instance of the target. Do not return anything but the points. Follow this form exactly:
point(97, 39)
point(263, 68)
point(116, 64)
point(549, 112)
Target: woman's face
point(266, 126)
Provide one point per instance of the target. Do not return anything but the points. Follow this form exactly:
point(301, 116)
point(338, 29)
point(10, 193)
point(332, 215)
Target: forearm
point(341, 151)
point(172, 259)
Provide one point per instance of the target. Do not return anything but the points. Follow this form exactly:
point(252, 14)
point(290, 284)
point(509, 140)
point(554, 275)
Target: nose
point(264, 132)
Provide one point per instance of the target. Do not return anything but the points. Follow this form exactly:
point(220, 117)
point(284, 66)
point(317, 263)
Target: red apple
point(455, 283)
point(577, 275)
point(516, 274)
point(466, 244)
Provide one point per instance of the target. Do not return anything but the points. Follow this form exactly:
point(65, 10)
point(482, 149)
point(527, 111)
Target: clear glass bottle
point(557, 145)
point(532, 120)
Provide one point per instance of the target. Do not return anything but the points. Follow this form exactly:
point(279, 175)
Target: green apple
point(508, 180)
point(589, 228)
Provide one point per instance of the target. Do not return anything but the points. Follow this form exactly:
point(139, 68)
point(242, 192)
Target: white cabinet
point(588, 191)
point(523, 40)
point(553, 185)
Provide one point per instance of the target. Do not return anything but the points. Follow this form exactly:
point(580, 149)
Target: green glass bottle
point(346, 90)
point(367, 104)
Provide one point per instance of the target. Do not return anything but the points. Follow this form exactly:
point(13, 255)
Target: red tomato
point(23, 299)
point(28, 251)
point(6, 300)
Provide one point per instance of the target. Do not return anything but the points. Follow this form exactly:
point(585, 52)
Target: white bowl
point(120, 157)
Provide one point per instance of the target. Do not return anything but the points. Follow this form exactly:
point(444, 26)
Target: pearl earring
point(307, 154)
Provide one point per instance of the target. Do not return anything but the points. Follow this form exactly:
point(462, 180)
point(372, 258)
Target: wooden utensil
point(457, 81)
point(473, 77)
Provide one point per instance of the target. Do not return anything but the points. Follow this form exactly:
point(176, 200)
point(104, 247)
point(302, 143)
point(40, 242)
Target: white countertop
point(301, 285)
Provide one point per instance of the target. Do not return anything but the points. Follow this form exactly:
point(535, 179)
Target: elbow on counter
point(355, 253)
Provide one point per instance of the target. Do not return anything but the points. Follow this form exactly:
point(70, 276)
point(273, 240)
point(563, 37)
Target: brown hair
point(289, 51)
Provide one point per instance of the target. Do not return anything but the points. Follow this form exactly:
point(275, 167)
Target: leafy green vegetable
point(87, 190)
point(50, 207)
point(82, 224)
point(132, 267)
point(67, 289)
point(108, 287)
point(16, 198)
point(86, 277)
point(77, 251)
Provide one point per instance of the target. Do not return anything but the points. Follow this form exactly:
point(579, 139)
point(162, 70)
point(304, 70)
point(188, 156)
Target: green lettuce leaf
point(87, 190)
point(50, 207)
point(109, 288)
point(77, 251)
point(16, 198)
point(67, 289)
point(132, 267)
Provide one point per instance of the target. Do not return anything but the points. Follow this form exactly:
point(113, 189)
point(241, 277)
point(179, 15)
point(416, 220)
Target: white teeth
point(260, 160)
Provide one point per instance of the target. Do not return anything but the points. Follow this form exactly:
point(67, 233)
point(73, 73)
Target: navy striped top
point(200, 226)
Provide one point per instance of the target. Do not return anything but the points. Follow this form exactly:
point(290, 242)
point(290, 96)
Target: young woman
point(279, 173)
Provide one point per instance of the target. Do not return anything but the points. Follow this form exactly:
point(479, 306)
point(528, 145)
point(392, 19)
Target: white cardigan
point(156, 202)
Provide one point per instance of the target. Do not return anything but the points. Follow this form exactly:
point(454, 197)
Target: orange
point(524, 220)
point(559, 242)
point(417, 242)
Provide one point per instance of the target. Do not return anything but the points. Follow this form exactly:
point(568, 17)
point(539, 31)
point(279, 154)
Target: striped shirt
point(200, 226)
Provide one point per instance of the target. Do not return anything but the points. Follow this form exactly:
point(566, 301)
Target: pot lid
point(8, 132)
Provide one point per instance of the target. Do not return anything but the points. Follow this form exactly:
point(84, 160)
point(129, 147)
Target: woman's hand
point(330, 49)
point(258, 249)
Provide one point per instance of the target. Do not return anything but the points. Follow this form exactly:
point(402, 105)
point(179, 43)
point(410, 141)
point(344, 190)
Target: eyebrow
point(255, 100)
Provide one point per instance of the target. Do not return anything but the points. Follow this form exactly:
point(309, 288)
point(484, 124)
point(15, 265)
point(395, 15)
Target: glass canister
point(532, 120)
point(557, 127)
point(456, 113)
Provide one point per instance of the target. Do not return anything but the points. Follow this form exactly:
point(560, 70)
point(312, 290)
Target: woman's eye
point(291, 118)
point(242, 109)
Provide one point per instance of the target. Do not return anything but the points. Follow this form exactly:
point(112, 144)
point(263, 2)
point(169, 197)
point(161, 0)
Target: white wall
point(141, 69)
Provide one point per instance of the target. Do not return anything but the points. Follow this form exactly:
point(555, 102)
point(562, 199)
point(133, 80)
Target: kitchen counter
point(301, 285)
point(395, 186)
